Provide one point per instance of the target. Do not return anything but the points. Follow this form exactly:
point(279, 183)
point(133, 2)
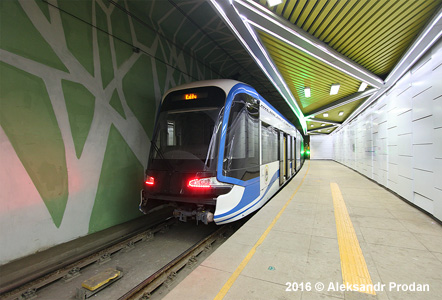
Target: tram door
point(282, 154)
point(294, 155)
point(283, 158)
point(291, 163)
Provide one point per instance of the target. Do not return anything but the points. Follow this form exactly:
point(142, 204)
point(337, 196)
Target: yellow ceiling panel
point(319, 127)
point(333, 114)
point(375, 34)
point(301, 70)
point(314, 125)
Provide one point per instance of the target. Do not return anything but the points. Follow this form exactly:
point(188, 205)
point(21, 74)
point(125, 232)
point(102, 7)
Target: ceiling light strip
point(324, 121)
point(298, 113)
point(322, 128)
point(245, 34)
point(308, 52)
point(339, 104)
point(323, 48)
point(257, 60)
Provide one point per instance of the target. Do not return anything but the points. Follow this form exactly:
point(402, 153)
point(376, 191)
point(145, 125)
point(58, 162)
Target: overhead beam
point(282, 29)
point(248, 38)
point(324, 121)
point(321, 130)
point(343, 101)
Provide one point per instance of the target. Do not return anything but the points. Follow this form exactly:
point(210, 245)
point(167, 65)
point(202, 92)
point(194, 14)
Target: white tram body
point(219, 152)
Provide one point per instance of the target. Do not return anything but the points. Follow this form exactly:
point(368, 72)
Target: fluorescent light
point(312, 125)
point(334, 89)
point(362, 86)
point(322, 124)
point(273, 2)
point(325, 115)
point(341, 113)
point(307, 92)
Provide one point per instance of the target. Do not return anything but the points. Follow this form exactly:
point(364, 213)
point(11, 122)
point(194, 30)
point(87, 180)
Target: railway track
point(161, 280)
point(66, 273)
point(167, 273)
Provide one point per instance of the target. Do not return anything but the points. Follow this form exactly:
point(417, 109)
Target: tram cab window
point(171, 138)
point(241, 154)
point(187, 130)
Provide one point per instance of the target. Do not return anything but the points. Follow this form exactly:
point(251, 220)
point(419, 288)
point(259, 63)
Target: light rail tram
point(219, 152)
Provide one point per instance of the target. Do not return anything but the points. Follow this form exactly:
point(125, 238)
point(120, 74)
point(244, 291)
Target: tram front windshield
point(187, 130)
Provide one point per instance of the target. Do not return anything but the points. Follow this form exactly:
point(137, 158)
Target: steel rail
point(147, 286)
point(67, 271)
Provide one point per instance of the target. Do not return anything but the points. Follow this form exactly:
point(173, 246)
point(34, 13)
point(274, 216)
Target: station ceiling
point(298, 44)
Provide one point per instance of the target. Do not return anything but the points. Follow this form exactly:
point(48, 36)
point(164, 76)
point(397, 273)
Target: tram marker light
point(200, 183)
point(150, 181)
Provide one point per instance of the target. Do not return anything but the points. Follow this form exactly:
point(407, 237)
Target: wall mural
point(80, 85)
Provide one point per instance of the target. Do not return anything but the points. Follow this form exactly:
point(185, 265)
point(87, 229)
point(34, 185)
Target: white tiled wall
point(321, 147)
point(397, 141)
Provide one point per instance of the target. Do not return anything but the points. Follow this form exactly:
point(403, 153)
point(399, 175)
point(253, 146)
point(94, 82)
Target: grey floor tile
point(424, 226)
point(247, 288)
point(275, 266)
point(377, 222)
point(322, 248)
point(404, 239)
point(430, 241)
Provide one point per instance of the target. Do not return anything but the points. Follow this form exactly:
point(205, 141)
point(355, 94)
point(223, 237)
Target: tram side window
point(241, 154)
point(269, 144)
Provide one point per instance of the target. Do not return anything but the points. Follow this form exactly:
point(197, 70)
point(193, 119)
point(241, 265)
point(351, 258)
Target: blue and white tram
point(219, 152)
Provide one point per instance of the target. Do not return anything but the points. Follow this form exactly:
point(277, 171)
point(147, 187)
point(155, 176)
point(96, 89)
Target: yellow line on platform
point(355, 273)
point(222, 293)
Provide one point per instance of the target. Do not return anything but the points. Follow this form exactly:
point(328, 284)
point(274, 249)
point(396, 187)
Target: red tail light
point(199, 183)
point(150, 181)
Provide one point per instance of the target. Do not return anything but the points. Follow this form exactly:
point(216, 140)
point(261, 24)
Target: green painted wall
point(28, 119)
point(115, 203)
point(79, 88)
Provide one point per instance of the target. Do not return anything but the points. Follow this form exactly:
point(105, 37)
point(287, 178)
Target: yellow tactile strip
point(355, 273)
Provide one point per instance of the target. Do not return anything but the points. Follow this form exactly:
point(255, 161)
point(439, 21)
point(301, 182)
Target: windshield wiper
point(160, 154)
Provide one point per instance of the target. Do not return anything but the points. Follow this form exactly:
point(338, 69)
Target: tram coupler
point(199, 215)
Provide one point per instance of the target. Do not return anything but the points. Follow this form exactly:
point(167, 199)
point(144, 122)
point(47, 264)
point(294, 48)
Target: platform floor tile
point(401, 245)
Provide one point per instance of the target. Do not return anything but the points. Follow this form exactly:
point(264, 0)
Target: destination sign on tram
point(190, 96)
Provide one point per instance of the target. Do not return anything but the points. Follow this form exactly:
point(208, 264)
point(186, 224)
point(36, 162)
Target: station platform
point(330, 233)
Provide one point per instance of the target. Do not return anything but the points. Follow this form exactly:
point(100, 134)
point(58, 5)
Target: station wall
point(397, 141)
point(80, 85)
point(321, 147)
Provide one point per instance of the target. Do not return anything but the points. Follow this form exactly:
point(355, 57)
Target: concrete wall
point(321, 147)
point(80, 85)
point(398, 140)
